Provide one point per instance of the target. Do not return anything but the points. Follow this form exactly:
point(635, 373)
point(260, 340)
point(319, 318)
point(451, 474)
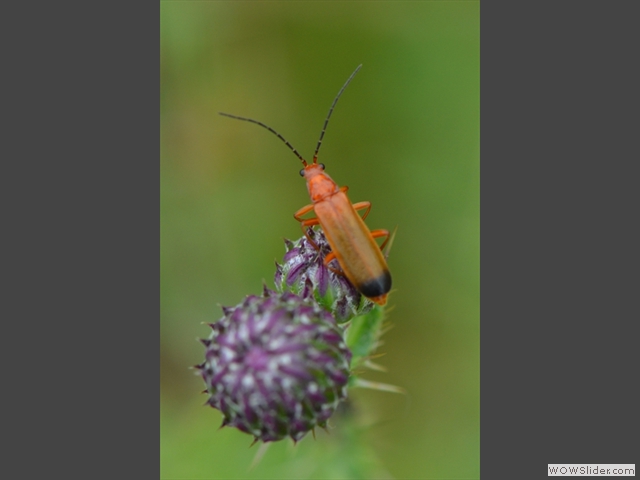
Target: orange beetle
point(352, 244)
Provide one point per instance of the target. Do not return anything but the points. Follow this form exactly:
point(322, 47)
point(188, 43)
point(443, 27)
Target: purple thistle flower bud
point(302, 262)
point(276, 366)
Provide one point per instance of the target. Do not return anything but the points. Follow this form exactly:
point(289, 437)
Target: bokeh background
point(405, 135)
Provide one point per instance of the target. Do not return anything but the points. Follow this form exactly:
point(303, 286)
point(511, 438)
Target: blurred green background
point(405, 136)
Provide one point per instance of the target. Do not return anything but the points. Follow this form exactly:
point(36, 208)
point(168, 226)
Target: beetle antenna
point(315, 155)
point(304, 162)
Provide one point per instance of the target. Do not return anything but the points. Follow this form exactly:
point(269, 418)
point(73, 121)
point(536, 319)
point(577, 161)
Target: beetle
point(352, 243)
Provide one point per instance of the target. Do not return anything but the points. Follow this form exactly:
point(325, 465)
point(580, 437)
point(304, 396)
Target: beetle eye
point(302, 172)
point(321, 165)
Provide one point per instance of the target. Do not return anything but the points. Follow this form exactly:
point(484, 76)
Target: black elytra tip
point(377, 286)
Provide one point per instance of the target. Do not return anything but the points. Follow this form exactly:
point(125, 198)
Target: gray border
point(559, 358)
point(81, 183)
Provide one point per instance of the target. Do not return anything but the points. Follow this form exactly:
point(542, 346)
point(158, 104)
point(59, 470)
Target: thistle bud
point(276, 366)
point(302, 261)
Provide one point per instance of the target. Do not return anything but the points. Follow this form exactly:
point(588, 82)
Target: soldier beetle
point(352, 243)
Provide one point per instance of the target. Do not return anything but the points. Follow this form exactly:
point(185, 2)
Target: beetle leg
point(309, 223)
point(328, 259)
point(303, 211)
point(381, 233)
point(304, 223)
point(361, 205)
